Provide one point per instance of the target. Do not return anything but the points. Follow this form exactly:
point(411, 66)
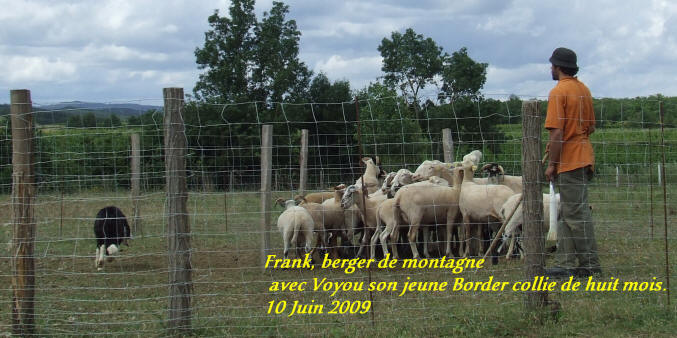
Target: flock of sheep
point(437, 194)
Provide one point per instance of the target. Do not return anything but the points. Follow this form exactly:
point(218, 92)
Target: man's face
point(555, 74)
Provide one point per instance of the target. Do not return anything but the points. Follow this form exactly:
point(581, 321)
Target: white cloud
point(529, 80)
point(121, 48)
point(360, 70)
point(29, 69)
point(120, 53)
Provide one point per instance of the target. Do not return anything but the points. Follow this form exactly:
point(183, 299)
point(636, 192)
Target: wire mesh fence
point(79, 170)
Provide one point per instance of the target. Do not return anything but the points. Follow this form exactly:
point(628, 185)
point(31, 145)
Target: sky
point(127, 51)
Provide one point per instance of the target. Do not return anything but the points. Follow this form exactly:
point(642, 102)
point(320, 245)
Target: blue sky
point(120, 51)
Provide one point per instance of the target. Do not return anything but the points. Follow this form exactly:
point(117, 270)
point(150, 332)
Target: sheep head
point(281, 201)
point(474, 156)
point(366, 161)
point(348, 198)
point(493, 169)
point(402, 178)
point(298, 198)
point(387, 182)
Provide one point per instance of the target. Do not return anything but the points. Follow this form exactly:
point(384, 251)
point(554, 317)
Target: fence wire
point(81, 169)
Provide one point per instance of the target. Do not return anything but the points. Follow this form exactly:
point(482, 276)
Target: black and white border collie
point(111, 230)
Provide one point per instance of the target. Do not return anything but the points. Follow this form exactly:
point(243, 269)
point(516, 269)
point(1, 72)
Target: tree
point(115, 121)
point(226, 54)
point(247, 60)
point(393, 133)
point(74, 121)
point(278, 74)
point(410, 62)
point(331, 123)
point(89, 120)
point(134, 121)
point(462, 76)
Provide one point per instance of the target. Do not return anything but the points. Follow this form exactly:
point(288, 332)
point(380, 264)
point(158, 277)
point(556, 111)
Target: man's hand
point(551, 173)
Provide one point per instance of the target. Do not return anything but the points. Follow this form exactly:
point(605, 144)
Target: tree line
point(252, 75)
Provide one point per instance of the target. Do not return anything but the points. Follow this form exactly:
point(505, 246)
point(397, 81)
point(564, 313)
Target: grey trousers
point(575, 232)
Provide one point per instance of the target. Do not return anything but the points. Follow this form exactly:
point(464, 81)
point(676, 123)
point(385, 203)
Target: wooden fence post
point(303, 162)
point(137, 229)
point(23, 219)
point(448, 144)
point(266, 194)
point(532, 207)
point(178, 228)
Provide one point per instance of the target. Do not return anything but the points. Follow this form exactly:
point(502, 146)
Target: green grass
point(231, 294)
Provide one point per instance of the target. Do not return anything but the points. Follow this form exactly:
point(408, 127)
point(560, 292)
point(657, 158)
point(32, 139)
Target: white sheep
point(371, 175)
point(497, 176)
point(480, 204)
point(386, 220)
point(314, 197)
point(474, 157)
point(517, 218)
point(388, 182)
point(434, 168)
point(291, 222)
point(330, 220)
point(427, 203)
point(402, 178)
point(367, 205)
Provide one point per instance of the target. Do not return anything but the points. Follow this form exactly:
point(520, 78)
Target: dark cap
point(564, 57)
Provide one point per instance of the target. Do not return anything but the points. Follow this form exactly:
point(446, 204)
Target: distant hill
point(120, 109)
point(58, 113)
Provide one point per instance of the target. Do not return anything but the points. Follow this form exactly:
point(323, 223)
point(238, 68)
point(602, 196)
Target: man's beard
point(555, 75)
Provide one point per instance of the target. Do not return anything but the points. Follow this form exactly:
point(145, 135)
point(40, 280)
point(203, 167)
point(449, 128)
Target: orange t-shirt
point(570, 109)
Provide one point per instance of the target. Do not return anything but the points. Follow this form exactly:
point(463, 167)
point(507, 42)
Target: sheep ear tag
point(449, 165)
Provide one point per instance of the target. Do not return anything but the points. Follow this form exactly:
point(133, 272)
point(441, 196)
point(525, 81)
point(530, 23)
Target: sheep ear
point(486, 167)
point(501, 170)
point(280, 201)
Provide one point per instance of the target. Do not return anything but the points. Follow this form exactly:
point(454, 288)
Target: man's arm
point(555, 151)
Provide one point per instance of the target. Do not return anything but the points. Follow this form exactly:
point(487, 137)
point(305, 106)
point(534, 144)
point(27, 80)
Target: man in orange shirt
point(570, 120)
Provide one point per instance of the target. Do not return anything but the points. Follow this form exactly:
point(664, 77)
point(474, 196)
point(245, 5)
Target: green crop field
point(231, 292)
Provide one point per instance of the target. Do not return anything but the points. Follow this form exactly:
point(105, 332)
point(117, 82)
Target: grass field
point(231, 296)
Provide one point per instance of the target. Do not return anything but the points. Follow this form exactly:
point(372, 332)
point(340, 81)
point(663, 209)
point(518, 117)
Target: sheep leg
point(364, 243)
point(456, 237)
point(451, 216)
point(309, 236)
point(384, 238)
point(426, 240)
point(394, 241)
point(468, 237)
point(447, 244)
point(482, 230)
point(413, 234)
point(285, 239)
point(374, 239)
point(332, 244)
point(512, 246)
